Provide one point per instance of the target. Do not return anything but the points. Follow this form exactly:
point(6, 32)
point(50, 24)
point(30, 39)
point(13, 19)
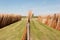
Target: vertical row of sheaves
point(39, 31)
point(13, 31)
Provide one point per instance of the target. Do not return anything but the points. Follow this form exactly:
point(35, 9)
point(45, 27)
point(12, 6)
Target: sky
point(22, 7)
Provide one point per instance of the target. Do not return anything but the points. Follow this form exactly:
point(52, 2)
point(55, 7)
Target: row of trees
point(6, 19)
point(52, 21)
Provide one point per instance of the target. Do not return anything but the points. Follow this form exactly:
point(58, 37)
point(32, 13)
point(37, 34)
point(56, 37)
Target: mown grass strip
point(13, 31)
point(54, 33)
point(47, 34)
point(34, 32)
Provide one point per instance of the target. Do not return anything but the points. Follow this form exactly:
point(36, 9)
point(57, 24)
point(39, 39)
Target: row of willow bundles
point(52, 21)
point(6, 19)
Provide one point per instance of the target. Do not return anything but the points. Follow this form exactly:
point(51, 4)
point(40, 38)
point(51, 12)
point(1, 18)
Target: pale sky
point(39, 7)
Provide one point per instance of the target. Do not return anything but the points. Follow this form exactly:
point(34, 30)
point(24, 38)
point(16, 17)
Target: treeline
point(6, 19)
point(51, 20)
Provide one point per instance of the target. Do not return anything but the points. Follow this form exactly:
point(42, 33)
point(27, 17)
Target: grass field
point(39, 31)
point(13, 31)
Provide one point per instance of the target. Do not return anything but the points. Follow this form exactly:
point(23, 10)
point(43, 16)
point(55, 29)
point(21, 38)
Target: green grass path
point(39, 31)
point(13, 31)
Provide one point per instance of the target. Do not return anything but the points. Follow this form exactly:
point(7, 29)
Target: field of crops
point(39, 31)
point(13, 31)
point(29, 28)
